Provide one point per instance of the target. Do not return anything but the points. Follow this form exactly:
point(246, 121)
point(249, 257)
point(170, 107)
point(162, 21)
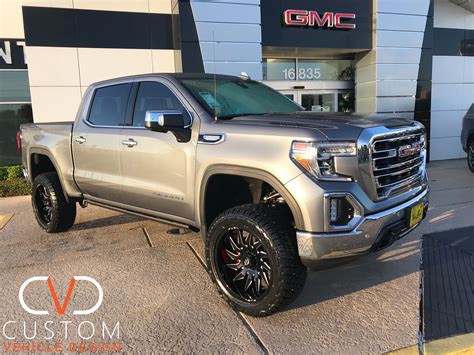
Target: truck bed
point(51, 140)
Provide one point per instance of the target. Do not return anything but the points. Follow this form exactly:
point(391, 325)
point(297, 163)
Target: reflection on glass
point(308, 69)
point(318, 102)
point(279, 69)
point(14, 86)
point(346, 101)
point(325, 70)
point(11, 117)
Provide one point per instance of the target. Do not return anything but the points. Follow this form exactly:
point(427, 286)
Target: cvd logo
point(61, 309)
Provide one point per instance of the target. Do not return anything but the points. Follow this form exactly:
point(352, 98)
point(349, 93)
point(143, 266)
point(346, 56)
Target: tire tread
point(276, 224)
point(64, 212)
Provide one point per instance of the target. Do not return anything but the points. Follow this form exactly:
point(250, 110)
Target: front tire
point(470, 156)
point(52, 211)
point(252, 257)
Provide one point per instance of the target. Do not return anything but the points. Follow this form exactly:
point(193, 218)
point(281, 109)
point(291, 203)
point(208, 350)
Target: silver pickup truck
point(273, 189)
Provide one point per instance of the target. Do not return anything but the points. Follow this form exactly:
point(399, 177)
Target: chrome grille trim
point(392, 173)
point(398, 172)
point(400, 164)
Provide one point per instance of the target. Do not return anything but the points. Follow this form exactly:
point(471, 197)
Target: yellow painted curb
point(4, 219)
point(456, 345)
point(460, 344)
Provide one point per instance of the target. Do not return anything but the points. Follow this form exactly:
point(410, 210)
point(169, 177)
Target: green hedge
point(14, 187)
point(12, 182)
point(10, 172)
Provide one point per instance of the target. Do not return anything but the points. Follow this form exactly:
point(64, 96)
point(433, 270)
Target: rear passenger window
point(109, 105)
point(153, 96)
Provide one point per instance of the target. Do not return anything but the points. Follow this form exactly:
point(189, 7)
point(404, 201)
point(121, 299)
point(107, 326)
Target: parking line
point(242, 317)
point(4, 219)
point(147, 236)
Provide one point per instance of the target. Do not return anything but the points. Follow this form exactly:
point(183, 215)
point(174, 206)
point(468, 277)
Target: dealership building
point(412, 58)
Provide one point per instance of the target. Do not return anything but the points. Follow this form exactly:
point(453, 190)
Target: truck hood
point(335, 126)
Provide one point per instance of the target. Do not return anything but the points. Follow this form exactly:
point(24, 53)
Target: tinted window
point(109, 105)
point(153, 96)
point(237, 97)
point(11, 117)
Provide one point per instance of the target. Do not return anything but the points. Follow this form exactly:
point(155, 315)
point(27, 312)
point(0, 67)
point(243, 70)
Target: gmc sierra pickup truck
point(467, 136)
point(272, 188)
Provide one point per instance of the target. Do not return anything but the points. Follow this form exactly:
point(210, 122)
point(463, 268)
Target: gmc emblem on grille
point(409, 150)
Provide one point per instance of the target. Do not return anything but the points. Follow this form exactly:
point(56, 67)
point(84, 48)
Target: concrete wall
point(59, 76)
point(230, 36)
point(453, 81)
point(386, 77)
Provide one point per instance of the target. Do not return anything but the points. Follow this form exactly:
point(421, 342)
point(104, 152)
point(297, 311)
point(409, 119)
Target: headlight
point(318, 158)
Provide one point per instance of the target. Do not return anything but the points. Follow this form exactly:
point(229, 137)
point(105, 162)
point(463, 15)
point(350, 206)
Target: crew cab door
point(158, 171)
point(95, 142)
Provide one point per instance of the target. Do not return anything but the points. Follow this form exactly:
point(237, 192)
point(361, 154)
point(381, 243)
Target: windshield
point(238, 97)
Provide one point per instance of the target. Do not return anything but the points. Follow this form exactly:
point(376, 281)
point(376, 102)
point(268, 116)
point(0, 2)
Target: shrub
point(14, 187)
point(14, 172)
point(10, 172)
point(3, 173)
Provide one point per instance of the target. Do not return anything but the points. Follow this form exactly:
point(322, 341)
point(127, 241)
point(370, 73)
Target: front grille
point(398, 161)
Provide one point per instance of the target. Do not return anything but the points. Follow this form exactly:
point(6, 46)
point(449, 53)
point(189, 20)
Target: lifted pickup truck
point(467, 136)
point(272, 188)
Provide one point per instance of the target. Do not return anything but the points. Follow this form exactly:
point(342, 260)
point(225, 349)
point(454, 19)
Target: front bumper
point(373, 232)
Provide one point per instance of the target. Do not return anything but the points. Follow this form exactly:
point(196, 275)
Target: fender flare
point(252, 173)
point(45, 152)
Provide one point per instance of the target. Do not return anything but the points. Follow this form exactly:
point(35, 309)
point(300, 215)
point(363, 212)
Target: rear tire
point(252, 257)
point(470, 156)
point(52, 211)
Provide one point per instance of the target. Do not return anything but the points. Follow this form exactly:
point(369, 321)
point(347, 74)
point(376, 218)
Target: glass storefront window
point(279, 69)
point(11, 117)
point(324, 70)
point(346, 101)
point(308, 69)
point(14, 86)
point(318, 102)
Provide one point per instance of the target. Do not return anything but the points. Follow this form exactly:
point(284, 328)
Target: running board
point(156, 219)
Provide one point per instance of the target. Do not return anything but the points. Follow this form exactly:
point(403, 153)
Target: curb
point(456, 345)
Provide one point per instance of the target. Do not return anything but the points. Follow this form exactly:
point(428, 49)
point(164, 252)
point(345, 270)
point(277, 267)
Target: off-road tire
point(273, 227)
point(470, 155)
point(63, 213)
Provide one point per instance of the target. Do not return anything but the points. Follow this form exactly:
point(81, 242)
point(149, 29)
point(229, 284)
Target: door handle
point(80, 140)
point(130, 143)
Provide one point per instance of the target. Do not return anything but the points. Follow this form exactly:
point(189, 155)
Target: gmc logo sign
point(315, 19)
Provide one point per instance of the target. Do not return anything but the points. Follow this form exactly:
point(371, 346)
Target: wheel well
point(226, 191)
point(470, 139)
point(40, 164)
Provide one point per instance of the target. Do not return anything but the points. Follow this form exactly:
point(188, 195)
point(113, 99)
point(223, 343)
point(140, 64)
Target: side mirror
point(169, 121)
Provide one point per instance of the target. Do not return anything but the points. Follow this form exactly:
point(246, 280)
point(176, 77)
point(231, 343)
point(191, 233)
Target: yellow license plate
point(416, 214)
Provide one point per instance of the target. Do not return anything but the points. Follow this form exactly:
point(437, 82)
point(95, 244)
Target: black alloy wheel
point(244, 264)
point(252, 257)
point(44, 204)
point(53, 212)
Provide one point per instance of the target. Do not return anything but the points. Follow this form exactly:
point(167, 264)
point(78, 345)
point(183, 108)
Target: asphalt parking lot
point(155, 285)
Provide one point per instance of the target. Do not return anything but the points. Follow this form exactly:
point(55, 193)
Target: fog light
point(334, 210)
point(343, 212)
